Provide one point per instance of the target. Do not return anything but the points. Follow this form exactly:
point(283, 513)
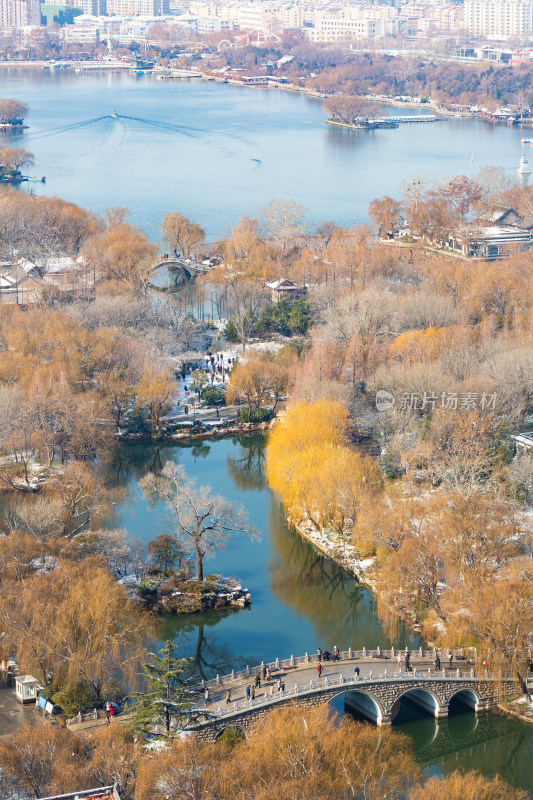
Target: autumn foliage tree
point(316, 475)
point(74, 623)
point(182, 235)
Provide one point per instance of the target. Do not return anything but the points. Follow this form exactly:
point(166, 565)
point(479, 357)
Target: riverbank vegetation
point(430, 355)
point(307, 754)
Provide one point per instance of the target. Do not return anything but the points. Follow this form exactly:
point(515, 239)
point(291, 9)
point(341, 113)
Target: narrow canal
point(300, 601)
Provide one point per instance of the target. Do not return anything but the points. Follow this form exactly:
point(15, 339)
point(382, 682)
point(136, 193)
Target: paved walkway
point(12, 713)
point(303, 674)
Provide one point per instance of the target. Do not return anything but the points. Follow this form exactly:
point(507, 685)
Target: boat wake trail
point(65, 128)
point(166, 125)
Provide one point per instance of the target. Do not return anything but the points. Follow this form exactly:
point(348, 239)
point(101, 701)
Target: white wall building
point(501, 18)
point(134, 8)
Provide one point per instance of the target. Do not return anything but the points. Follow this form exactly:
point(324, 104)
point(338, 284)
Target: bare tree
point(201, 520)
point(281, 221)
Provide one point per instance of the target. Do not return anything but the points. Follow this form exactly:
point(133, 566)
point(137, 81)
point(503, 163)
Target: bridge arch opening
point(231, 734)
point(464, 699)
point(417, 702)
point(360, 705)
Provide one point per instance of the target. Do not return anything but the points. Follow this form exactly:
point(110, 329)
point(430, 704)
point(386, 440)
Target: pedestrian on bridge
point(356, 672)
point(408, 661)
point(252, 692)
point(228, 697)
point(268, 674)
point(399, 662)
point(319, 653)
point(450, 658)
point(336, 653)
point(437, 661)
point(264, 671)
point(319, 669)
point(279, 684)
point(247, 692)
point(207, 695)
point(257, 681)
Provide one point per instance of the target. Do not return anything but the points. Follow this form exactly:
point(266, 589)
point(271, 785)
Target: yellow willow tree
point(315, 474)
point(153, 392)
point(74, 623)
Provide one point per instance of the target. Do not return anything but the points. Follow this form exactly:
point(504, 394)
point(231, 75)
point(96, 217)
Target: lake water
point(215, 152)
point(300, 601)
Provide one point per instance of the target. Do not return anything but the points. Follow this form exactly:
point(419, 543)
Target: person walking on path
point(107, 714)
point(247, 692)
point(268, 674)
point(271, 692)
point(319, 669)
point(450, 658)
point(279, 684)
point(252, 692)
point(111, 710)
point(408, 661)
point(356, 672)
point(437, 661)
point(264, 671)
point(257, 681)
point(207, 696)
point(399, 662)
point(319, 653)
point(336, 654)
point(228, 697)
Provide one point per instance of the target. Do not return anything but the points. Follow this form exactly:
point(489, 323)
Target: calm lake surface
point(300, 601)
point(215, 152)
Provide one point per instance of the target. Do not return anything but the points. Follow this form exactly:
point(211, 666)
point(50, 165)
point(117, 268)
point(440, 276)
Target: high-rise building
point(19, 13)
point(134, 8)
point(502, 18)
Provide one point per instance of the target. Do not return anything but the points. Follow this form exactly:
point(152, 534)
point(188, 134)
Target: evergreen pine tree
point(170, 702)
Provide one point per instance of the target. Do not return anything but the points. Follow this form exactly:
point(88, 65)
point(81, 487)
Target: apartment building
point(80, 34)
point(19, 13)
point(499, 18)
point(133, 8)
point(338, 29)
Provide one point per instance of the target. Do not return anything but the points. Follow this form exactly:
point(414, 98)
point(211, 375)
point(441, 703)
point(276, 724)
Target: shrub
point(365, 547)
point(74, 697)
point(213, 396)
point(231, 332)
point(257, 414)
point(147, 588)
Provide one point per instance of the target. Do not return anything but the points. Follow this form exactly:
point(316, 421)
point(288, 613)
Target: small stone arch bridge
point(189, 269)
point(374, 695)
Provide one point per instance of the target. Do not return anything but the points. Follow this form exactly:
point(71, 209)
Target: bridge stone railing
point(318, 686)
point(345, 655)
point(384, 687)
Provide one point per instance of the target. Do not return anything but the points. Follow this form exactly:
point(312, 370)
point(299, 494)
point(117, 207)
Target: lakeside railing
point(293, 662)
point(328, 682)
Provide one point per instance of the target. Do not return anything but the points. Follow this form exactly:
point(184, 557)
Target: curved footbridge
point(375, 692)
point(189, 268)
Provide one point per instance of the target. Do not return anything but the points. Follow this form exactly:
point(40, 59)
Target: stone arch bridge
point(376, 695)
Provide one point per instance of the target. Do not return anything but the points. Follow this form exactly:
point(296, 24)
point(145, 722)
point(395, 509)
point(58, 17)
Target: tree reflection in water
point(195, 639)
point(247, 468)
point(315, 587)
